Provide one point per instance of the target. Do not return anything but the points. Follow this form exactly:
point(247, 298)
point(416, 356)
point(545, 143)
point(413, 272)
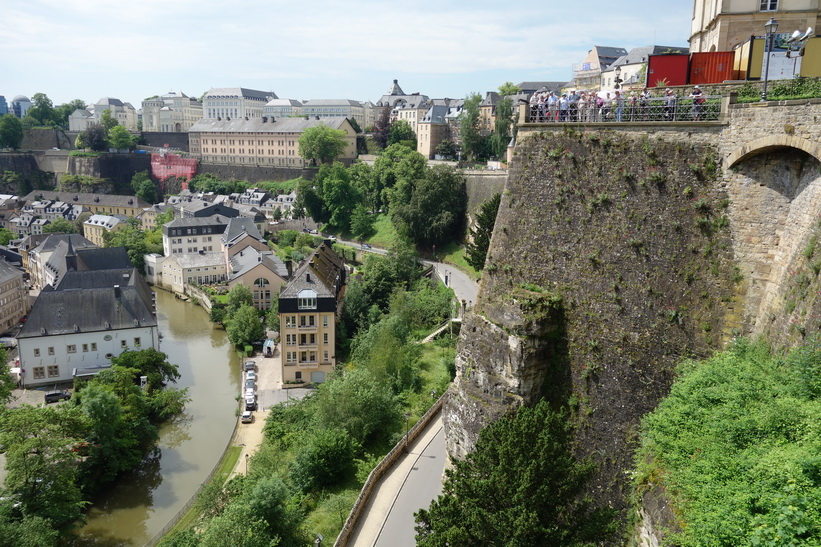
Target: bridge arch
point(772, 142)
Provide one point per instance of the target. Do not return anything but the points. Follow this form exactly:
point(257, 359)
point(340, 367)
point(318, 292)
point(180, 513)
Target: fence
point(382, 468)
point(653, 109)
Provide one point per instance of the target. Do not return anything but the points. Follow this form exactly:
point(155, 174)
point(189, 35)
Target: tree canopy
point(472, 140)
point(402, 133)
point(61, 226)
point(322, 144)
point(509, 88)
point(518, 487)
point(11, 131)
point(476, 249)
point(120, 138)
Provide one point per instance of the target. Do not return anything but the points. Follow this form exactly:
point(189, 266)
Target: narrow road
point(413, 482)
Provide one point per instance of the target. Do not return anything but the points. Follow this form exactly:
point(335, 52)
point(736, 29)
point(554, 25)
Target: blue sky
point(326, 49)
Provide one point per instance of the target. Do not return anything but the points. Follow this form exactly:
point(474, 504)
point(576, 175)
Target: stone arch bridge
point(770, 155)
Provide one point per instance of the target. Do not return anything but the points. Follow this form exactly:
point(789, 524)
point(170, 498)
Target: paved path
point(413, 482)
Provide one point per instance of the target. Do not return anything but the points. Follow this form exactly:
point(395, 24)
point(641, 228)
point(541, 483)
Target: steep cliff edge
point(611, 261)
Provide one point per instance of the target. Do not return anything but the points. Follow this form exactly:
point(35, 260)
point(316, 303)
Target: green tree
point(270, 500)
point(520, 486)
point(151, 363)
point(309, 197)
point(502, 130)
point(338, 194)
point(145, 188)
point(322, 144)
point(107, 121)
point(120, 138)
point(244, 326)
point(397, 163)
point(61, 226)
point(430, 210)
point(239, 296)
point(135, 242)
point(362, 222)
point(402, 133)
point(6, 235)
point(42, 110)
point(446, 149)
point(472, 140)
point(11, 131)
point(509, 88)
point(41, 463)
point(476, 249)
point(326, 459)
point(7, 384)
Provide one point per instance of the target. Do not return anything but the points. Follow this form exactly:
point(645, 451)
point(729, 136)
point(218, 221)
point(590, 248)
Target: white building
point(75, 327)
point(235, 103)
point(173, 112)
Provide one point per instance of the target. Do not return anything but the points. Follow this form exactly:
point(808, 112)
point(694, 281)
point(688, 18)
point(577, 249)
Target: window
point(53, 371)
point(85, 348)
point(325, 338)
point(325, 321)
point(311, 322)
point(307, 299)
point(298, 376)
point(39, 373)
point(769, 5)
point(290, 357)
point(71, 348)
point(51, 351)
point(94, 346)
point(303, 339)
point(290, 321)
point(123, 344)
point(303, 356)
point(136, 342)
point(37, 352)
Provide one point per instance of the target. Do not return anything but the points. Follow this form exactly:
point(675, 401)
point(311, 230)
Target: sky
point(316, 49)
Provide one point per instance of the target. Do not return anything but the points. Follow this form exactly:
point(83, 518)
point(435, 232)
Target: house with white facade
point(92, 317)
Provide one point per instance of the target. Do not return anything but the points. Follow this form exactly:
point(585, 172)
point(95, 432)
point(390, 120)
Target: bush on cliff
point(737, 445)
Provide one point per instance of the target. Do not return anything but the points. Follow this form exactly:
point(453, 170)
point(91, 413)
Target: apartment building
point(234, 103)
point(173, 112)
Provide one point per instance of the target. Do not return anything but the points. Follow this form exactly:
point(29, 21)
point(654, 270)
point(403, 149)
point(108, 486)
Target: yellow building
point(260, 141)
point(102, 204)
point(308, 311)
point(720, 25)
point(97, 225)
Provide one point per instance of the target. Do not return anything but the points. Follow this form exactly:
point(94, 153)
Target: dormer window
point(307, 299)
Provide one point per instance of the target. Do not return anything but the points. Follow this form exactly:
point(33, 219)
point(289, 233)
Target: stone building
point(13, 296)
point(720, 26)
point(97, 225)
point(260, 141)
point(233, 103)
point(173, 112)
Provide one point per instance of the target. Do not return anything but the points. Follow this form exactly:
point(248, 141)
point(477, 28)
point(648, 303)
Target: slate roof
point(250, 258)
point(237, 92)
point(331, 102)
point(237, 227)
point(8, 272)
point(257, 125)
point(436, 115)
point(108, 258)
point(199, 260)
point(323, 272)
point(84, 198)
point(533, 87)
point(186, 222)
point(51, 242)
point(283, 102)
point(100, 308)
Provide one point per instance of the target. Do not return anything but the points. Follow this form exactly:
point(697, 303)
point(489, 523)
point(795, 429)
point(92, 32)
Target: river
point(139, 505)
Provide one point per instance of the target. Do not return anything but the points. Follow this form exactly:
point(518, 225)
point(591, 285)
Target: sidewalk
point(387, 519)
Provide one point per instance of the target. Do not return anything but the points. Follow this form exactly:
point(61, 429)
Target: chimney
point(116, 291)
point(265, 119)
point(308, 277)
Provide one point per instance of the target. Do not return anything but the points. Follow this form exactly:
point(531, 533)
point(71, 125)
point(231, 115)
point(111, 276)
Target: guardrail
point(382, 468)
point(653, 109)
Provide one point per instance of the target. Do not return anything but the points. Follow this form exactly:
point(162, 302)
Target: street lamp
point(246, 464)
point(407, 422)
point(771, 27)
point(617, 80)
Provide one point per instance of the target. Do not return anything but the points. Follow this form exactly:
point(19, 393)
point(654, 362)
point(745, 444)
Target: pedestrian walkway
point(387, 519)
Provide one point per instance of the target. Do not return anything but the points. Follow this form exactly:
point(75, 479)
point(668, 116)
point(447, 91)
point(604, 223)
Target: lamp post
point(407, 422)
point(771, 27)
point(617, 80)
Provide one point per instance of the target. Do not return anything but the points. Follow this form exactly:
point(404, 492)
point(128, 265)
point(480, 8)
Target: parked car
point(250, 384)
point(250, 392)
point(247, 417)
point(250, 365)
point(366, 246)
point(57, 395)
point(251, 403)
point(251, 375)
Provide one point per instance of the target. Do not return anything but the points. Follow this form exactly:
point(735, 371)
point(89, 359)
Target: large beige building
point(104, 204)
point(173, 112)
point(97, 225)
point(259, 141)
point(13, 296)
point(720, 25)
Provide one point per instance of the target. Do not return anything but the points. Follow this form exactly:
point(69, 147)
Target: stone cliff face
point(625, 244)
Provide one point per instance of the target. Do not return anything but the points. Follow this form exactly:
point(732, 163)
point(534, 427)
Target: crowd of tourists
point(613, 106)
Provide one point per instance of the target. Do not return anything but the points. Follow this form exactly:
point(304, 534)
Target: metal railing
point(653, 109)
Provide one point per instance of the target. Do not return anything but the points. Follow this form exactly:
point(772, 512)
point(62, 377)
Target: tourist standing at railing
point(644, 107)
point(607, 106)
point(573, 105)
point(669, 105)
point(582, 107)
point(633, 102)
point(534, 107)
point(599, 108)
point(698, 102)
point(564, 105)
point(618, 101)
point(553, 107)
